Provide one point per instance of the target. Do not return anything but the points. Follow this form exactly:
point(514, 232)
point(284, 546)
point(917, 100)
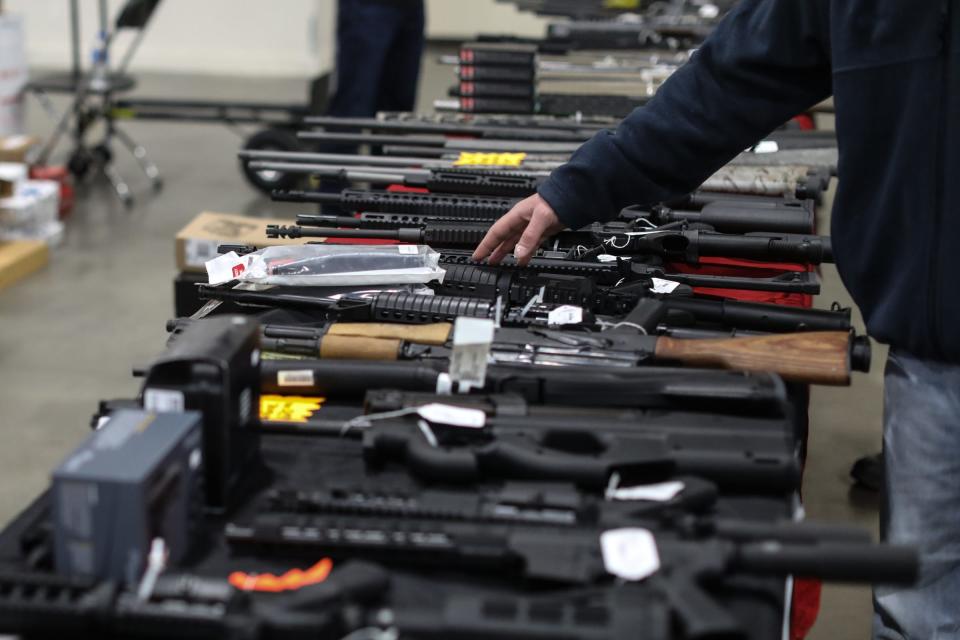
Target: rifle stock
point(819, 357)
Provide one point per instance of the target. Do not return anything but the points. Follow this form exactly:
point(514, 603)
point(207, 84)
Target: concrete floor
point(70, 334)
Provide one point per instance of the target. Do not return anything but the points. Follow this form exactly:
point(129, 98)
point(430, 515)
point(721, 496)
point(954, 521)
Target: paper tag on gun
point(472, 338)
point(227, 267)
point(663, 286)
point(452, 416)
point(660, 492)
point(566, 314)
point(629, 553)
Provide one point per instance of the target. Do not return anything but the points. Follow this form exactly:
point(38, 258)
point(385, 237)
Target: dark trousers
point(379, 44)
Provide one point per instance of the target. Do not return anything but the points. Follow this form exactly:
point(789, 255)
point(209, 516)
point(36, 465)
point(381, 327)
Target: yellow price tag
point(289, 408)
point(621, 4)
point(471, 159)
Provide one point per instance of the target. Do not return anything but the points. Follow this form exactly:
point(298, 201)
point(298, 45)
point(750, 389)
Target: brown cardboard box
point(20, 258)
point(198, 241)
point(15, 148)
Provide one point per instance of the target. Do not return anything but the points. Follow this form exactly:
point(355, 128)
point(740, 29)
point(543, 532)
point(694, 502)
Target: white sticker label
point(408, 249)
point(299, 378)
point(630, 554)
point(225, 268)
point(196, 252)
point(472, 338)
point(163, 400)
point(663, 286)
point(661, 492)
point(766, 146)
point(567, 314)
point(453, 416)
point(606, 257)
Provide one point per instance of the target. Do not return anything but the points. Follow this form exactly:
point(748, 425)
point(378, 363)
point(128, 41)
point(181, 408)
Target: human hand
point(521, 230)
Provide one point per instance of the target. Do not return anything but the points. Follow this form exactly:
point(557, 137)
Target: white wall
point(245, 37)
point(466, 18)
point(237, 37)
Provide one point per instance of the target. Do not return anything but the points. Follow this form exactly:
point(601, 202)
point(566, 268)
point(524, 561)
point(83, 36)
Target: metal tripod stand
point(94, 102)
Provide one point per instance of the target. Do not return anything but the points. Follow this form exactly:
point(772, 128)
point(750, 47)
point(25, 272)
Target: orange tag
point(289, 408)
point(290, 581)
point(470, 159)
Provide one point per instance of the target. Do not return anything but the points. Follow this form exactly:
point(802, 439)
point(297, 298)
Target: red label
point(237, 270)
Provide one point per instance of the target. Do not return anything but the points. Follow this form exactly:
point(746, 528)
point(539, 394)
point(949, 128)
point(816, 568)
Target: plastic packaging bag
point(329, 265)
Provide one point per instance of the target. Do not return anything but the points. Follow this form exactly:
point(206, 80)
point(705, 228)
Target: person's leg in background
point(366, 30)
point(921, 448)
point(398, 90)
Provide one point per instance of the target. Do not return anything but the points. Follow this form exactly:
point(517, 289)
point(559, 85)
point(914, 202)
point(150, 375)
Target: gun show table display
point(355, 431)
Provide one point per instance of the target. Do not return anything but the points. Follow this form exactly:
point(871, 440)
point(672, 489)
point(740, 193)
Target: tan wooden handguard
point(430, 334)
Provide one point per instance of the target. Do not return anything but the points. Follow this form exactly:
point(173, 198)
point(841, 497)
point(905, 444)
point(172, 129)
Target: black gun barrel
point(760, 316)
point(739, 218)
point(877, 564)
point(784, 248)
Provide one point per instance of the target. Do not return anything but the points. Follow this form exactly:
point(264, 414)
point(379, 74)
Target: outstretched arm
point(767, 61)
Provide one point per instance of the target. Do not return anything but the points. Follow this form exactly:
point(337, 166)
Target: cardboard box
point(198, 241)
point(15, 148)
point(21, 258)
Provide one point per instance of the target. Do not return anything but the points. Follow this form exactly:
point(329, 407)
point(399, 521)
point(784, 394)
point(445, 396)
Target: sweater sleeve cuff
point(569, 209)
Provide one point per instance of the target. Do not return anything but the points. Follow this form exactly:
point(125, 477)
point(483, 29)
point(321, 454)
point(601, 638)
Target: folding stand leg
point(117, 182)
point(140, 153)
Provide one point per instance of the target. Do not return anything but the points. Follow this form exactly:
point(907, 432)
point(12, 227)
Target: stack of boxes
point(29, 209)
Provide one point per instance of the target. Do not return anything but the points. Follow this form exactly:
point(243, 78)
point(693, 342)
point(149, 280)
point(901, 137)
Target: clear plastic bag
point(329, 265)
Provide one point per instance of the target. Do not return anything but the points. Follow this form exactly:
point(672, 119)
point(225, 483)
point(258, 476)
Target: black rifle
point(625, 270)
point(518, 287)
point(477, 207)
point(444, 143)
point(383, 307)
point(691, 554)
point(660, 387)
point(386, 162)
point(546, 132)
point(615, 238)
point(459, 181)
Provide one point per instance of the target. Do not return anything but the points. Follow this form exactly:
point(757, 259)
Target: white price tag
point(630, 553)
point(566, 314)
point(606, 257)
point(661, 492)
point(453, 416)
point(663, 286)
point(472, 338)
point(225, 268)
point(766, 146)
point(408, 249)
point(300, 378)
point(163, 400)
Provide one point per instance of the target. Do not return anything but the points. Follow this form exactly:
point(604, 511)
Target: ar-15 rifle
point(620, 270)
point(677, 308)
point(679, 242)
point(690, 554)
point(454, 180)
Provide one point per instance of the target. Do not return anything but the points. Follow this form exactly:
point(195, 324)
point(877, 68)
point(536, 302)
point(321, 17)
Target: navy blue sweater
point(893, 69)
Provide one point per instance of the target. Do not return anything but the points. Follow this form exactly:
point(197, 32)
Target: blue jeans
point(921, 449)
point(379, 44)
